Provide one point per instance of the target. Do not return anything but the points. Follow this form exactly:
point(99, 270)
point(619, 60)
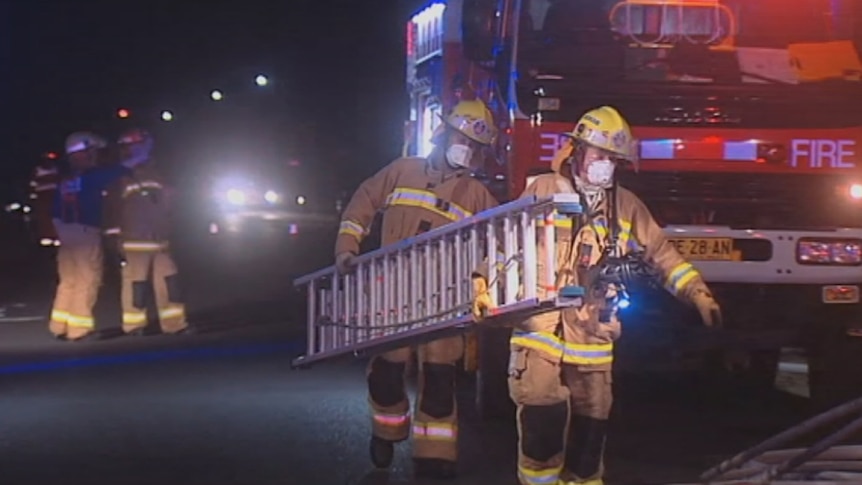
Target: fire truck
point(749, 120)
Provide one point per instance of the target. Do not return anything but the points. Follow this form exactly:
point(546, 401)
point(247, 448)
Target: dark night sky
point(337, 67)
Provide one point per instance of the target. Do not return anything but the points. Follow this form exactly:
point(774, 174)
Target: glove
point(481, 299)
point(708, 308)
point(344, 262)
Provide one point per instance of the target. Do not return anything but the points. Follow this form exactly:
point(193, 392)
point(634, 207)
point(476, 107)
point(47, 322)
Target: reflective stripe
point(172, 312)
point(351, 228)
point(79, 321)
point(601, 227)
point(44, 187)
point(435, 431)
point(41, 172)
point(428, 201)
point(134, 318)
point(144, 246)
point(391, 419)
point(112, 230)
point(680, 276)
point(137, 187)
point(547, 476)
point(59, 316)
point(568, 352)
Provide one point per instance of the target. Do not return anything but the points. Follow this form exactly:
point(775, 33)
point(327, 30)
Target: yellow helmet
point(474, 120)
point(606, 129)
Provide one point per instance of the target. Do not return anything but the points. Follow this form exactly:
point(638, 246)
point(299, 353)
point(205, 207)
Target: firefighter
point(560, 363)
point(137, 223)
point(43, 185)
point(77, 213)
point(417, 195)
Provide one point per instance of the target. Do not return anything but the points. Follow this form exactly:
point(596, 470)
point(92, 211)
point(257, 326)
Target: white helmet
point(83, 140)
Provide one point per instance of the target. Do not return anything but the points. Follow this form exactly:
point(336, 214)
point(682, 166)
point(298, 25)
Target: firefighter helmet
point(606, 129)
point(83, 140)
point(474, 120)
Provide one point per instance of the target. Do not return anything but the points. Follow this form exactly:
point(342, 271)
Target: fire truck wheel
point(834, 368)
point(492, 387)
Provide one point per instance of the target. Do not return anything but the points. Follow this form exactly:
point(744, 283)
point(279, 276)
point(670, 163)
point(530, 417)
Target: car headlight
point(271, 196)
point(235, 196)
point(300, 200)
point(827, 251)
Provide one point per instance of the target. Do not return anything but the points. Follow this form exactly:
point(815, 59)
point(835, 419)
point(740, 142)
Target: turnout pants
point(149, 266)
point(435, 423)
point(79, 264)
point(562, 416)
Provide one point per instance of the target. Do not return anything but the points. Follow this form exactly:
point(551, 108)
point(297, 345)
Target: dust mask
point(600, 173)
point(459, 156)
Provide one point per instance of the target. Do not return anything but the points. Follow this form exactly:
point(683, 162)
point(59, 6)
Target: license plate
point(706, 248)
point(841, 294)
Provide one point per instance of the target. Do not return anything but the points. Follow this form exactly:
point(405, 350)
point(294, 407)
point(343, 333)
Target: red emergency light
point(123, 113)
point(51, 155)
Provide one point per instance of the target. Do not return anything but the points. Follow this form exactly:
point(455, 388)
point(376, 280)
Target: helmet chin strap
point(592, 193)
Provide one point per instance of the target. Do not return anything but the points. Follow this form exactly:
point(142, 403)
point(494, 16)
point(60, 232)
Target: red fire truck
point(749, 116)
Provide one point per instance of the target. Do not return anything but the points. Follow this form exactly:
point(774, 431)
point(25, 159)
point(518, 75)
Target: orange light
point(712, 139)
point(760, 160)
point(123, 113)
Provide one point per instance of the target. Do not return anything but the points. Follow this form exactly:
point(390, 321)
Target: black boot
point(382, 452)
point(435, 468)
point(584, 448)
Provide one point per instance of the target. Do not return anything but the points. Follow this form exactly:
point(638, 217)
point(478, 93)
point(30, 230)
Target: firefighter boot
point(435, 468)
point(584, 451)
point(382, 452)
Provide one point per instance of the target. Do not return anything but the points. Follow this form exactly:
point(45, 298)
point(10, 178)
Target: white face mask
point(600, 173)
point(459, 156)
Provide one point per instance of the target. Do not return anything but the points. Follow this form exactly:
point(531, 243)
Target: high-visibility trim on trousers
point(172, 312)
point(435, 431)
point(567, 352)
point(547, 476)
point(144, 246)
point(134, 318)
point(394, 420)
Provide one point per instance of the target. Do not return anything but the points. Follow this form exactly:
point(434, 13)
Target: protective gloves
point(708, 308)
point(344, 262)
point(482, 303)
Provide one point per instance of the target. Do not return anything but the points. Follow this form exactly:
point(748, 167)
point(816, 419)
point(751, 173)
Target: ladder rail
point(421, 286)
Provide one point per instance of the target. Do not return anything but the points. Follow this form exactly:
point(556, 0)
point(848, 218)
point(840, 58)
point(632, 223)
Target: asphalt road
point(224, 407)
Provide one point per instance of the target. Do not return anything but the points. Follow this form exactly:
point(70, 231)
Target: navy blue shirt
point(78, 199)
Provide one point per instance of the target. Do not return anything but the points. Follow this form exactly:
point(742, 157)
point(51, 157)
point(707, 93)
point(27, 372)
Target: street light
point(216, 95)
point(261, 80)
point(167, 115)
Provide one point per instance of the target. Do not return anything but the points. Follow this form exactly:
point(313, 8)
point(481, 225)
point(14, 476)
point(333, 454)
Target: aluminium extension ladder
point(420, 289)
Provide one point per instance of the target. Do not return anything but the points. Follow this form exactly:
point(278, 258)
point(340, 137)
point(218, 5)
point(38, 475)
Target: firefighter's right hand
point(482, 303)
point(344, 262)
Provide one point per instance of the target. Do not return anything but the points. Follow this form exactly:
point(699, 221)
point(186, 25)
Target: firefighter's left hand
point(481, 299)
point(708, 308)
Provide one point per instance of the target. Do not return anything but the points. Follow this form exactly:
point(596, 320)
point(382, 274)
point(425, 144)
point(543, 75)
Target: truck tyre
point(492, 389)
point(834, 368)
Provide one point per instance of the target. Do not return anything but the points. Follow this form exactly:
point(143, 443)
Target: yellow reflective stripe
point(59, 316)
point(545, 476)
point(680, 276)
point(569, 353)
point(144, 246)
point(351, 228)
point(435, 431)
point(172, 312)
point(428, 201)
point(137, 187)
point(561, 221)
point(79, 321)
point(134, 318)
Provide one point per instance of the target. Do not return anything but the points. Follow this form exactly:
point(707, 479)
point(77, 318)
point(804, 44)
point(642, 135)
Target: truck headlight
point(826, 251)
point(235, 196)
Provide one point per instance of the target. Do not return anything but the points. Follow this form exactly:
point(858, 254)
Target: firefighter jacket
point(415, 197)
point(79, 198)
point(577, 336)
point(43, 186)
point(137, 207)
